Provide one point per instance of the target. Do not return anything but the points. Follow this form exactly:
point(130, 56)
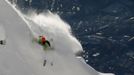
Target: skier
point(42, 41)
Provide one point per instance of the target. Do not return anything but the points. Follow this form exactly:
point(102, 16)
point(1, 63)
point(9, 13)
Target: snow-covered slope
point(21, 56)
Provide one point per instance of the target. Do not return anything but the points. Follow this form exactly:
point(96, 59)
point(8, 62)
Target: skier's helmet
point(43, 39)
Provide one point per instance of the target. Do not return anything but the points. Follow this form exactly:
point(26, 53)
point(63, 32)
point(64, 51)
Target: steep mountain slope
point(21, 56)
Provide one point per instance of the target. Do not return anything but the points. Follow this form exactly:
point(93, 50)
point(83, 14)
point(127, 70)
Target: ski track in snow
point(21, 56)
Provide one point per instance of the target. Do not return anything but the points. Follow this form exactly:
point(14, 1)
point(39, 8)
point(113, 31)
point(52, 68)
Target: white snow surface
point(21, 56)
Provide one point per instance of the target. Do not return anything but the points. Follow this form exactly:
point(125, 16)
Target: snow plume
point(55, 29)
